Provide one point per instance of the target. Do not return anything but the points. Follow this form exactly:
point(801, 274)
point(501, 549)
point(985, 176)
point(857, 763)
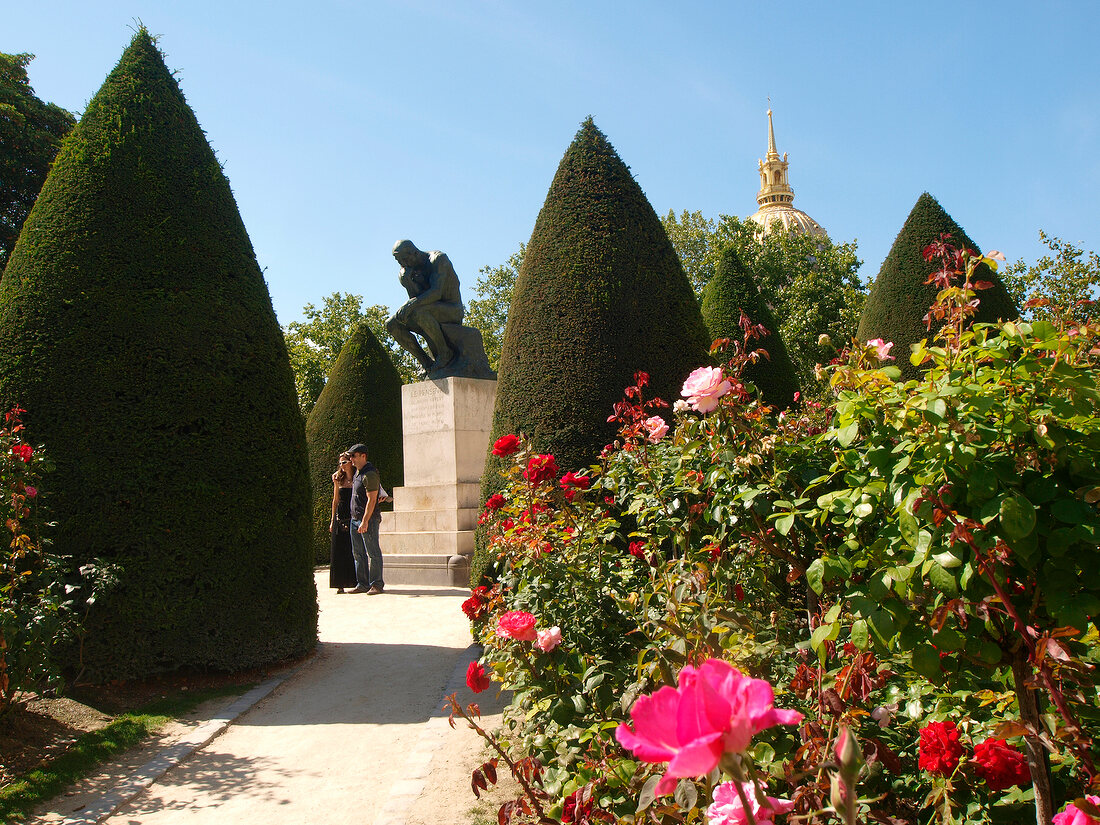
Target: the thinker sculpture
point(434, 311)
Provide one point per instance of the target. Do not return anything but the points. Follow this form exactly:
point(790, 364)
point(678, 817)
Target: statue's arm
point(443, 282)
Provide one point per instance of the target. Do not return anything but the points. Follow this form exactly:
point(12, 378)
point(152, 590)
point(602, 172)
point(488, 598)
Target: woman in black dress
point(341, 569)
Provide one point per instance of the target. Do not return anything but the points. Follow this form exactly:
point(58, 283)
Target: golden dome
point(776, 197)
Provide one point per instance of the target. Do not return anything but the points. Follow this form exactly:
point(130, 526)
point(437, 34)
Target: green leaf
point(860, 636)
point(926, 662)
point(1071, 511)
point(648, 793)
point(1017, 517)
point(822, 633)
point(907, 524)
point(882, 625)
point(815, 576)
point(784, 523)
point(686, 794)
point(942, 580)
point(848, 433)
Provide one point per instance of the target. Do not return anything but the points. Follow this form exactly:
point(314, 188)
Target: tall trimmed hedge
point(601, 294)
point(733, 289)
point(361, 402)
point(137, 331)
point(900, 298)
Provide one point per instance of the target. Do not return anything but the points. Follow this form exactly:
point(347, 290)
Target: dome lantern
point(776, 197)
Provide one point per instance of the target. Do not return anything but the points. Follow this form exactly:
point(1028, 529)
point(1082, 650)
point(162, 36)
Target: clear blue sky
point(344, 125)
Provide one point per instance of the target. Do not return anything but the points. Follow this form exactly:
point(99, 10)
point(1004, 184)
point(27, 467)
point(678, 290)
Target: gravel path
point(354, 735)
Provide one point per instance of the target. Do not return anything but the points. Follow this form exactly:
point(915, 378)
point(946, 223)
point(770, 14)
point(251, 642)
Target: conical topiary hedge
point(601, 294)
point(730, 292)
point(137, 331)
point(900, 298)
point(361, 403)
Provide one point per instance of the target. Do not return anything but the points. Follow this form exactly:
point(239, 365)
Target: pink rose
point(516, 624)
point(1072, 815)
point(715, 710)
point(30, 491)
point(476, 680)
point(547, 640)
point(882, 349)
point(704, 387)
point(727, 808)
point(655, 428)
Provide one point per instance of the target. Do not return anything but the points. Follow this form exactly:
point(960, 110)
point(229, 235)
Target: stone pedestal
point(429, 536)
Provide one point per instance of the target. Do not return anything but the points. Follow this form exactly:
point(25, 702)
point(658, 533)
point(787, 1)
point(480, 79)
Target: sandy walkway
point(355, 735)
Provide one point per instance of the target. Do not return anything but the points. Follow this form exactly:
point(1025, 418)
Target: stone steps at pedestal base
point(448, 571)
point(454, 543)
point(429, 521)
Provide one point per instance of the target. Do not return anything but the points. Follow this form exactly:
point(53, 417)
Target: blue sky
point(344, 126)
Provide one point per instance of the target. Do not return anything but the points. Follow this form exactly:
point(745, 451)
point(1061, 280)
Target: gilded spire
point(772, 153)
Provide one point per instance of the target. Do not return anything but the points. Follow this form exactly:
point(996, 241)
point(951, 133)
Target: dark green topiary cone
point(136, 329)
point(900, 298)
point(730, 292)
point(601, 294)
point(361, 403)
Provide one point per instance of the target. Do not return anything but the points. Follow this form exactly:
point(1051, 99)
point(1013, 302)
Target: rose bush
point(41, 594)
point(906, 558)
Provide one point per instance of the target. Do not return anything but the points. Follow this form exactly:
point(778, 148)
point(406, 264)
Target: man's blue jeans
point(367, 554)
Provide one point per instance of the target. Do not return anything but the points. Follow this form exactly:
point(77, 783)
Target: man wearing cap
point(365, 521)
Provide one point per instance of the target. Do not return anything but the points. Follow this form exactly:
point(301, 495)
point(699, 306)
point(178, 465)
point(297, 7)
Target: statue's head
point(406, 253)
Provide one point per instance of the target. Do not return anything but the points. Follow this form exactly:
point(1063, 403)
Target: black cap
point(357, 448)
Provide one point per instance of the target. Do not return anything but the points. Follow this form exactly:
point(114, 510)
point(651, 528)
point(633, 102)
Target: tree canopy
point(810, 283)
point(489, 311)
point(1062, 283)
point(314, 344)
point(30, 135)
point(137, 331)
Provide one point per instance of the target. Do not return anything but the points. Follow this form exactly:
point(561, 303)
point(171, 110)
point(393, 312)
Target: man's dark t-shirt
point(364, 482)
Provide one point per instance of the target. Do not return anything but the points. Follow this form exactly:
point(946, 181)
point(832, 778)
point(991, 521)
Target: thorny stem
point(528, 791)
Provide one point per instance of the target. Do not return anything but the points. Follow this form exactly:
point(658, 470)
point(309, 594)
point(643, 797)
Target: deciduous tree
point(489, 311)
point(30, 135)
point(1063, 279)
point(315, 343)
point(811, 284)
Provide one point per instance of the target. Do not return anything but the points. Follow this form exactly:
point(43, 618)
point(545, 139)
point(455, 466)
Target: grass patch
point(90, 750)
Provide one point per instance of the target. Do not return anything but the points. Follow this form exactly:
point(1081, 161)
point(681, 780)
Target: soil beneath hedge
point(42, 728)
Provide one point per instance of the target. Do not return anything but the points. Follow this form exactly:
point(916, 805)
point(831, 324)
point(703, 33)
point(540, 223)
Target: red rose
point(572, 483)
point(940, 749)
point(476, 680)
point(541, 468)
point(574, 812)
point(637, 549)
point(474, 608)
point(1000, 765)
point(23, 451)
point(506, 445)
point(518, 625)
point(495, 502)
point(574, 480)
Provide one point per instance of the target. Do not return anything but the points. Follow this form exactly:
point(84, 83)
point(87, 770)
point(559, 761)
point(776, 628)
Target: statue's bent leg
point(426, 322)
point(403, 336)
